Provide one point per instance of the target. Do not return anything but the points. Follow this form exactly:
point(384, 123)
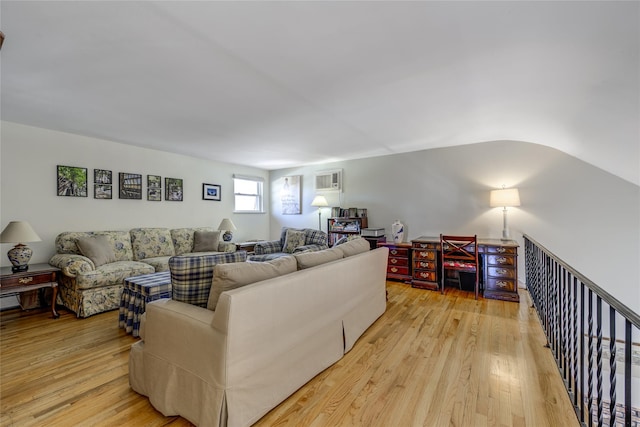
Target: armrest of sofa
point(267, 247)
point(227, 247)
point(310, 248)
point(183, 335)
point(72, 264)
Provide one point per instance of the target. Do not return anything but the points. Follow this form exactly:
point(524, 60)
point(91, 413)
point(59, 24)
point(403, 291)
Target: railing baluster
point(590, 401)
point(574, 343)
point(578, 349)
point(612, 366)
point(599, 359)
point(627, 368)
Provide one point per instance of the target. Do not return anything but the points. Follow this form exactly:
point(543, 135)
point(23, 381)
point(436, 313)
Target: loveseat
point(94, 264)
point(292, 240)
point(269, 327)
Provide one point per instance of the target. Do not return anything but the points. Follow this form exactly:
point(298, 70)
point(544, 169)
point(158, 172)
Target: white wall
point(587, 217)
point(29, 157)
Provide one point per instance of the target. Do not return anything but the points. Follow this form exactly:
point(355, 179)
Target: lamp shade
point(319, 202)
point(19, 232)
point(226, 225)
point(505, 197)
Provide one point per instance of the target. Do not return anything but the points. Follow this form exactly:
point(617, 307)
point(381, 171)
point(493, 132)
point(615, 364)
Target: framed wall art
point(130, 186)
point(72, 181)
point(173, 189)
point(290, 193)
point(154, 188)
point(102, 184)
point(211, 192)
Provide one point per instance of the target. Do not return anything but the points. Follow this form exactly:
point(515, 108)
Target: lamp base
point(19, 256)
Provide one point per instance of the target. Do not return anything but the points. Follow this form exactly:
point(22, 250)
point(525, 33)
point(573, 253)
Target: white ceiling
point(281, 84)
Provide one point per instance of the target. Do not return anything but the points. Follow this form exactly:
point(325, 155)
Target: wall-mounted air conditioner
point(329, 180)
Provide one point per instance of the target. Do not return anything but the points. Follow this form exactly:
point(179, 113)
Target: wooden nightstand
point(36, 277)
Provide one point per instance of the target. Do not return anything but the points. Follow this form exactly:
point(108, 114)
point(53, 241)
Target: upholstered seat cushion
point(111, 274)
point(459, 265)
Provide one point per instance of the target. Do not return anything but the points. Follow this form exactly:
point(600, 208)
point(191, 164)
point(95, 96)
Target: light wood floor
point(430, 360)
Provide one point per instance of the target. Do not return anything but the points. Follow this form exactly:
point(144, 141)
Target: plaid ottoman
point(137, 292)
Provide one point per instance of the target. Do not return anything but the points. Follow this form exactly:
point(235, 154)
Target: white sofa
point(231, 366)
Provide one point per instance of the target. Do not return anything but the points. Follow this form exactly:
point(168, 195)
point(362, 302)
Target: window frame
point(259, 195)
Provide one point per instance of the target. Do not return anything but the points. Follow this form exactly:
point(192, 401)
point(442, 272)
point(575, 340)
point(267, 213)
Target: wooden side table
point(248, 246)
point(36, 277)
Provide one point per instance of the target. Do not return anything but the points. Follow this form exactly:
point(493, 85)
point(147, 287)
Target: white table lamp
point(506, 197)
point(228, 227)
point(319, 202)
point(19, 232)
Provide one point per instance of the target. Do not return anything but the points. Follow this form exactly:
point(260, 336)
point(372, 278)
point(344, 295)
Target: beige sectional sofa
point(94, 264)
point(257, 343)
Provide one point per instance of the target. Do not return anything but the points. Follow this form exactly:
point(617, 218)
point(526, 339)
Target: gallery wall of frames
point(73, 181)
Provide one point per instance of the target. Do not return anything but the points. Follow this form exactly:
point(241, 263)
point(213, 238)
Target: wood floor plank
point(431, 359)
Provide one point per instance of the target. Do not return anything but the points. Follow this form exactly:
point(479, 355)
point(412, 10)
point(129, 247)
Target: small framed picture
point(130, 185)
point(154, 188)
point(72, 181)
point(102, 191)
point(173, 189)
point(102, 184)
point(211, 192)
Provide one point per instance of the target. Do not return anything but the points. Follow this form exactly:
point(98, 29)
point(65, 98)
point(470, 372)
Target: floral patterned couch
point(87, 289)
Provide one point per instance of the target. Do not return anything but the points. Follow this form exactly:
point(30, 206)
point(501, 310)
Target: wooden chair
point(459, 253)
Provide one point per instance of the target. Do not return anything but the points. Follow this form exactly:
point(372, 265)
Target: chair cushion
point(459, 265)
point(292, 240)
point(311, 259)
point(205, 241)
point(97, 248)
point(236, 275)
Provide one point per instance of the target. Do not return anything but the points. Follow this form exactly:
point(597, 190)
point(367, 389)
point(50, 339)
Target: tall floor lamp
point(506, 197)
point(319, 202)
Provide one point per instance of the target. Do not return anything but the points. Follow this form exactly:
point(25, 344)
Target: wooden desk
point(499, 263)
point(36, 277)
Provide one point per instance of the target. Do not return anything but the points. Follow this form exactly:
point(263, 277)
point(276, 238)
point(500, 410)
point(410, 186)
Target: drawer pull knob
point(502, 271)
point(502, 284)
point(393, 260)
point(394, 252)
point(394, 270)
point(24, 280)
point(424, 254)
point(501, 260)
point(502, 250)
